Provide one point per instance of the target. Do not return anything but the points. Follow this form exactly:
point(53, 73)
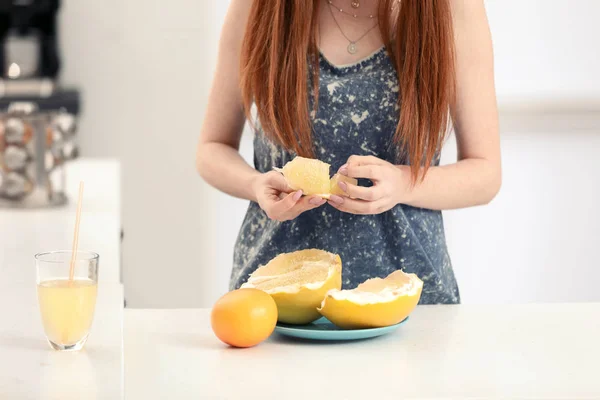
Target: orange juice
point(67, 309)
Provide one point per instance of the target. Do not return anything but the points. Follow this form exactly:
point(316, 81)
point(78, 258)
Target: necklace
point(353, 14)
point(352, 45)
point(355, 5)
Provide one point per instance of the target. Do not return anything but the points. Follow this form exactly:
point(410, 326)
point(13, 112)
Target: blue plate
point(323, 329)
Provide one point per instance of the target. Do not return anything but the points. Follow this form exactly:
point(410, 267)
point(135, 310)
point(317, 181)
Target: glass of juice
point(67, 305)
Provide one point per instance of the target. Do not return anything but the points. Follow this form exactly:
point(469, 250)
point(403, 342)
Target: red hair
point(280, 44)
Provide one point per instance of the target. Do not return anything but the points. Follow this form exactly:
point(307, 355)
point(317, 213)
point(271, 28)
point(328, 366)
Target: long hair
point(280, 46)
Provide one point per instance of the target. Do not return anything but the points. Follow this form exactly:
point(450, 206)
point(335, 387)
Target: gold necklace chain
point(353, 14)
point(352, 45)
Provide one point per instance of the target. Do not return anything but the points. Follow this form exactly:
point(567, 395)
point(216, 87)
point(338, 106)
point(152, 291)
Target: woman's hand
point(278, 201)
point(390, 186)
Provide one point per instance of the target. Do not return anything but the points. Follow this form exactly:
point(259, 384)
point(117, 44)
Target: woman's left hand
point(390, 186)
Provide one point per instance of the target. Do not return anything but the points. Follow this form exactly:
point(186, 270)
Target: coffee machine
point(37, 115)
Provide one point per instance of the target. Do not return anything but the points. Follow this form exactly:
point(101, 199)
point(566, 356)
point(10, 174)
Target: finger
point(277, 181)
point(352, 206)
point(362, 171)
point(360, 207)
point(316, 201)
point(335, 199)
point(275, 195)
point(365, 160)
point(307, 203)
point(283, 206)
point(360, 160)
point(360, 192)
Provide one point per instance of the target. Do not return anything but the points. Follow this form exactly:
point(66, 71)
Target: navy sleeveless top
point(357, 114)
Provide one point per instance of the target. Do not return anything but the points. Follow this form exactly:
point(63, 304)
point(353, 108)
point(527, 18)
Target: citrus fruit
point(374, 303)
point(244, 317)
point(312, 177)
point(334, 187)
point(298, 282)
point(307, 174)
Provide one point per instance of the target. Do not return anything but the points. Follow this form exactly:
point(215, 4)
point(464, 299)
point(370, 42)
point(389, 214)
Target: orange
point(244, 317)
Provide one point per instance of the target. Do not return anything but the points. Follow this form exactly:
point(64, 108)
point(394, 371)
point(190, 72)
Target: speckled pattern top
point(357, 114)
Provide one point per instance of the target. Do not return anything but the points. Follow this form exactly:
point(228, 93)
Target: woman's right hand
point(278, 201)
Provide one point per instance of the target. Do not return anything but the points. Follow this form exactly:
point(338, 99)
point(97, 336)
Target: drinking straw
point(76, 234)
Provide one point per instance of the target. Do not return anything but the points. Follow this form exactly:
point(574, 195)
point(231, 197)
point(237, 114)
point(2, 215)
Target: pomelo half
point(374, 303)
point(298, 282)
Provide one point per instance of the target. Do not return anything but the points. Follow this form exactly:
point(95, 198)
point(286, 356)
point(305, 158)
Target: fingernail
point(345, 166)
point(297, 195)
point(343, 186)
point(343, 170)
point(315, 201)
point(336, 199)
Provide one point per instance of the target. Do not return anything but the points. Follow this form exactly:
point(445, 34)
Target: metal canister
point(34, 147)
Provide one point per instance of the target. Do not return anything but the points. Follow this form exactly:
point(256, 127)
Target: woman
point(369, 87)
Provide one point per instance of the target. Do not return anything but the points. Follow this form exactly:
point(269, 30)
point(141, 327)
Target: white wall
point(545, 48)
point(536, 241)
point(146, 68)
point(91, 37)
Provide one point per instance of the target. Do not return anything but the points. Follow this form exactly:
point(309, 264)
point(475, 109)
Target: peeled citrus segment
point(374, 303)
point(307, 174)
point(334, 187)
point(298, 282)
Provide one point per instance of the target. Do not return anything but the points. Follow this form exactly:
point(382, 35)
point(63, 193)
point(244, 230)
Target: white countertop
point(535, 351)
point(24, 233)
point(30, 369)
